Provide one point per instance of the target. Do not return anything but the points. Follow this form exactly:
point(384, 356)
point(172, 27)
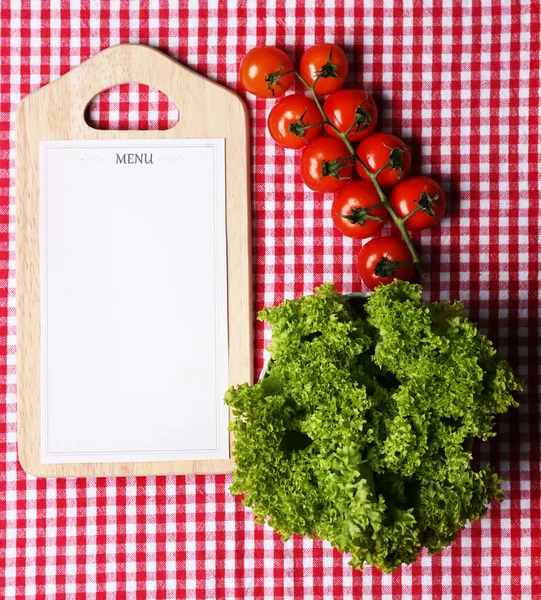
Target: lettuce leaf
point(361, 431)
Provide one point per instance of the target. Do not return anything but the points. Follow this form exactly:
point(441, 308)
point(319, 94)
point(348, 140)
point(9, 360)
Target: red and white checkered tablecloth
point(460, 81)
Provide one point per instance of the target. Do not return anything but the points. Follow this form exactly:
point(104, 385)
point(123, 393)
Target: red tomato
point(326, 165)
point(380, 149)
point(262, 72)
point(326, 63)
point(349, 210)
point(421, 196)
point(351, 108)
point(383, 259)
point(292, 119)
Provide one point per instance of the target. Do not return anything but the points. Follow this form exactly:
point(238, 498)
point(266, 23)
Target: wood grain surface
point(56, 112)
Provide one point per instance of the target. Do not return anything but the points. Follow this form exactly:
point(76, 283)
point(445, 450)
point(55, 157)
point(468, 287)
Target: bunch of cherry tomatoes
point(326, 131)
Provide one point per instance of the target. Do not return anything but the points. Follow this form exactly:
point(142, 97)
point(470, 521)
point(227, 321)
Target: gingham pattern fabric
point(460, 82)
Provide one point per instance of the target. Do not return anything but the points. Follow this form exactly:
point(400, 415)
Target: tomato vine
point(294, 123)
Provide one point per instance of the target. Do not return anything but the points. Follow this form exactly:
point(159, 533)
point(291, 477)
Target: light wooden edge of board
point(239, 249)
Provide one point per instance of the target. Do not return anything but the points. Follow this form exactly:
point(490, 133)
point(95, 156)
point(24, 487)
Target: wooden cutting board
point(56, 113)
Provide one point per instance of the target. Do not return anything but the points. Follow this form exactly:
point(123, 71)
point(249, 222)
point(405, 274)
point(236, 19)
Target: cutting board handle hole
point(132, 106)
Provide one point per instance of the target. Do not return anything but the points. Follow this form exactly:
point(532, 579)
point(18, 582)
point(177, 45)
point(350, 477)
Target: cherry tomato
point(261, 72)
point(351, 108)
point(291, 121)
point(326, 165)
point(328, 64)
point(377, 150)
point(420, 194)
point(349, 210)
point(383, 259)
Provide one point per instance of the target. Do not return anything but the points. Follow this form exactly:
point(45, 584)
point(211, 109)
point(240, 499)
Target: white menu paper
point(134, 352)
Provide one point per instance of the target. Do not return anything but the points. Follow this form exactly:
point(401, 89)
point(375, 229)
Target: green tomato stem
point(415, 210)
point(386, 267)
point(286, 73)
point(352, 218)
point(310, 88)
point(381, 169)
point(369, 208)
point(315, 125)
point(349, 129)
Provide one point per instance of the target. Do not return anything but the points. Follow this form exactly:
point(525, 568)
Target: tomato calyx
point(333, 167)
point(363, 119)
point(395, 161)
point(328, 69)
point(298, 128)
point(385, 267)
point(427, 202)
point(274, 78)
point(361, 215)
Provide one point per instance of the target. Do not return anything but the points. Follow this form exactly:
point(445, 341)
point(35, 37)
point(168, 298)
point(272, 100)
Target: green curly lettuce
point(360, 433)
